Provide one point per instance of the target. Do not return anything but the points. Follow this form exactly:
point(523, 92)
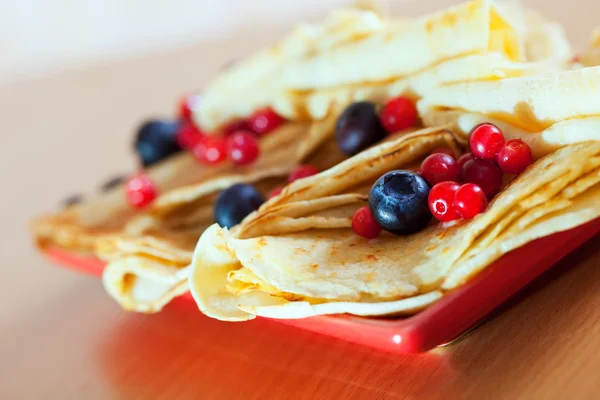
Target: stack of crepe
point(309, 77)
point(297, 256)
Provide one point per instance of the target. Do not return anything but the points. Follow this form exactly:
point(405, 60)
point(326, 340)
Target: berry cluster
point(238, 141)
point(402, 202)
point(363, 123)
point(480, 172)
point(158, 139)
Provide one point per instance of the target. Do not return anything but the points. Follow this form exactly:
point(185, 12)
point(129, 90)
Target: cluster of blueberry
point(403, 202)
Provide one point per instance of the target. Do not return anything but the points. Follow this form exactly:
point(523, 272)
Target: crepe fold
point(547, 111)
point(295, 258)
point(147, 258)
point(78, 228)
point(357, 55)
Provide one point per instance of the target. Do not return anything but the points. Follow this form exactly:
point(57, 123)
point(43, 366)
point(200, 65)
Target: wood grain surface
point(61, 337)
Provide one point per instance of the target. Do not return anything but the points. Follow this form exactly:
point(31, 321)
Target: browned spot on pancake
point(372, 257)
point(262, 242)
point(352, 245)
point(314, 266)
point(370, 276)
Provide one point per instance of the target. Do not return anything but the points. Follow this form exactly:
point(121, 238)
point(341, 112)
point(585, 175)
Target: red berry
point(364, 224)
point(397, 114)
point(302, 171)
point(188, 135)
point(440, 167)
point(514, 156)
point(441, 198)
point(483, 173)
point(276, 192)
point(443, 151)
point(243, 147)
point(140, 191)
point(469, 200)
point(485, 141)
point(264, 121)
point(187, 105)
point(464, 158)
point(212, 150)
point(233, 127)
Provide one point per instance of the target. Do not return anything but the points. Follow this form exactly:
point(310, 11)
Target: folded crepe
point(147, 258)
point(357, 55)
point(546, 110)
point(78, 228)
point(297, 256)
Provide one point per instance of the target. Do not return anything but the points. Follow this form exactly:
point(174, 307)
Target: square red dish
point(441, 323)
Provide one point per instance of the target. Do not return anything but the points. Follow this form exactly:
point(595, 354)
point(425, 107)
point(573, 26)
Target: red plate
point(441, 323)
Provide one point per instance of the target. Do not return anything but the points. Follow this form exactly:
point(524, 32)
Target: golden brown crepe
point(311, 269)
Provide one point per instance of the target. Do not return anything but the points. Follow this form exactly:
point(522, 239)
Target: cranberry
point(514, 156)
point(484, 173)
point(398, 113)
point(364, 224)
point(140, 191)
point(233, 127)
point(440, 167)
point(441, 198)
point(464, 158)
point(243, 147)
point(302, 171)
point(275, 192)
point(443, 151)
point(187, 105)
point(212, 150)
point(188, 135)
point(264, 121)
point(469, 200)
point(485, 141)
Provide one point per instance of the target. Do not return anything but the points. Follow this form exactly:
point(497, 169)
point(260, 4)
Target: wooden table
point(62, 337)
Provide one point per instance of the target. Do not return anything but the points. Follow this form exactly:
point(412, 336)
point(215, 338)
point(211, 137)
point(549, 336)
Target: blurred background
point(78, 76)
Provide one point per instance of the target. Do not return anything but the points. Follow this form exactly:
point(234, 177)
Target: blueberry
point(72, 200)
point(235, 203)
point(112, 182)
point(358, 127)
point(398, 202)
point(156, 140)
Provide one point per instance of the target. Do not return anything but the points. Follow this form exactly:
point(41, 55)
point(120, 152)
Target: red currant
point(443, 151)
point(233, 127)
point(364, 224)
point(398, 113)
point(464, 158)
point(441, 198)
point(243, 147)
point(483, 173)
point(140, 190)
point(302, 171)
point(275, 192)
point(212, 150)
point(514, 156)
point(187, 105)
point(469, 200)
point(440, 167)
point(485, 141)
point(264, 121)
point(188, 135)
